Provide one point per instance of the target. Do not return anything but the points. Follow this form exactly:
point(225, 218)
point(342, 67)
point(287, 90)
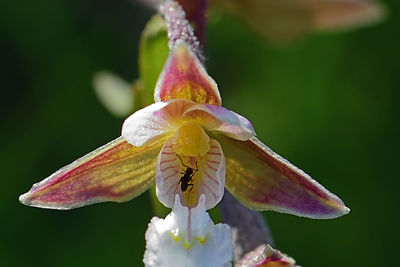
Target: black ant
point(187, 177)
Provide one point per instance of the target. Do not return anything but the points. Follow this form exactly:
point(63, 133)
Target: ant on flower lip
point(187, 177)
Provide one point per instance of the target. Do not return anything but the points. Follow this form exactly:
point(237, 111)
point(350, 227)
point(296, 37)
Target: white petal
point(147, 124)
point(212, 172)
point(143, 126)
point(188, 237)
point(208, 180)
point(220, 119)
point(115, 93)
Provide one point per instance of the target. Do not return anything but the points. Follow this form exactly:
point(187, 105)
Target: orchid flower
point(266, 256)
point(286, 20)
point(188, 237)
point(186, 128)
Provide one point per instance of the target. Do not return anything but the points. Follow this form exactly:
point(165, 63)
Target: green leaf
point(153, 52)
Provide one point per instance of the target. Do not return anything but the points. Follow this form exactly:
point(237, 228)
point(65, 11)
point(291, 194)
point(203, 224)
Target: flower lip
point(207, 176)
point(191, 140)
point(197, 162)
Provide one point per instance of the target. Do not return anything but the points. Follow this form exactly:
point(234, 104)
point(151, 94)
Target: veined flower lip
point(165, 119)
point(208, 178)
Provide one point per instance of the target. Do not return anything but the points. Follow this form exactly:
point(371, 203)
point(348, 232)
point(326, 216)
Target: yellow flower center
point(191, 140)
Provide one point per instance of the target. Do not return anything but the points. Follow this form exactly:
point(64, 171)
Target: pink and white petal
point(220, 119)
point(115, 172)
point(344, 14)
point(263, 180)
point(146, 125)
point(266, 256)
point(291, 19)
point(208, 180)
point(168, 174)
point(184, 76)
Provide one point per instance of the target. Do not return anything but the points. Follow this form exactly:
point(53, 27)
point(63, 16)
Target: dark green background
point(329, 104)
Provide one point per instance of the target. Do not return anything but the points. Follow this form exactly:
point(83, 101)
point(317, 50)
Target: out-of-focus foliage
point(329, 103)
point(287, 20)
point(118, 96)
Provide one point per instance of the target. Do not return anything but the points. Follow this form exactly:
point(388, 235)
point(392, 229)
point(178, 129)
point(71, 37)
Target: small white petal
point(220, 119)
point(149, 123)
point(143, 126)
point(115, 93)
point(187, 237)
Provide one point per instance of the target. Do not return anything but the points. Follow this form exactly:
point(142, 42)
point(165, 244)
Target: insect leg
point(197, 168)
point(190, 184)
point(177, 185)
point(190, 191)
point(182, 161)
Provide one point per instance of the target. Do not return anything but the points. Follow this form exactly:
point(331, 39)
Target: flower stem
point(249, 227)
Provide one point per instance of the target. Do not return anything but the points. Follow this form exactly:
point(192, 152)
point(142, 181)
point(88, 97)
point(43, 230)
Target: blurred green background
point(328, 103)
